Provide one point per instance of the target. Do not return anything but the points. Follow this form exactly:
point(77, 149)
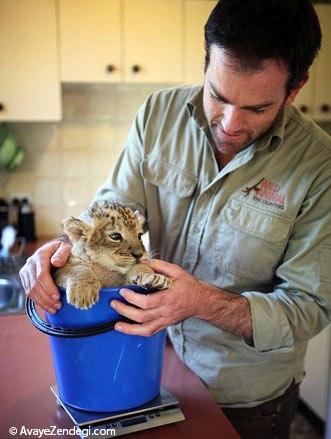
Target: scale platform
point(163, 409)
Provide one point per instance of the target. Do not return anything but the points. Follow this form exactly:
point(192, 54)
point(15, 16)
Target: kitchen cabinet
point(29, 83)
point(315, 98)
point(90, 40)
point(315, 385)
point(196, 15)
point(153, 40)
point(121, 40)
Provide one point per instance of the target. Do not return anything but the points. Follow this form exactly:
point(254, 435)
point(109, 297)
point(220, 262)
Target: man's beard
point(231, 148)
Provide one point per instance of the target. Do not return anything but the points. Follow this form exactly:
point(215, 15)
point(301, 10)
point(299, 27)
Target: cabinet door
point(196, 15)
point(29, 85)
point(323, 66)
point(90, 40)
point(153, 40)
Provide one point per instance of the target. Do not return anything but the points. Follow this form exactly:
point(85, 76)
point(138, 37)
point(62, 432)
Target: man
point(236, 186)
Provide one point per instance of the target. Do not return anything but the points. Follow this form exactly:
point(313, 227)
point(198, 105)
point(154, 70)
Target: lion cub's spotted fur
point(105, 253)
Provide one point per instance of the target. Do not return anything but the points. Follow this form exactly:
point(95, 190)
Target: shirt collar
point(274, 135)
point(195, 108)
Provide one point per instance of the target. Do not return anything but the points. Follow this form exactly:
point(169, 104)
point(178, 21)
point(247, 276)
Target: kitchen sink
point(12, 295)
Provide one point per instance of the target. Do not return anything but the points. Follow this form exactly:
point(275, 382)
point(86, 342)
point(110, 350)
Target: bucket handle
point(58, 331)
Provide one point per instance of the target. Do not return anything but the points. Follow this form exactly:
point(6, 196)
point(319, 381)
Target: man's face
point(240, 106)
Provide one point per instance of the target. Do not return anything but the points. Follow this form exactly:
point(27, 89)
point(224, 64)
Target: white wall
point(315, 386)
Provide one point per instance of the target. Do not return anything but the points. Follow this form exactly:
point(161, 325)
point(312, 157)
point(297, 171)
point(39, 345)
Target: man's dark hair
point(251, 31)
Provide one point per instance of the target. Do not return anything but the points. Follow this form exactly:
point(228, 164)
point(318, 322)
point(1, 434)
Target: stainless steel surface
point(12, 296)
point(7, 292)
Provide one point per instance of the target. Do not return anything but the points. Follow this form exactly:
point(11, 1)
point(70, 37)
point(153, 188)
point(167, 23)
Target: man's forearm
point(227, 311)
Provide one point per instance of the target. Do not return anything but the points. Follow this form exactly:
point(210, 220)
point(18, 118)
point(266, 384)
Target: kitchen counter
point(26, 373)
point(32, 246)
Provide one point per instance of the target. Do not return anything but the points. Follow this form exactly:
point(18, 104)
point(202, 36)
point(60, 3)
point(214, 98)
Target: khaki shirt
point(259, 227)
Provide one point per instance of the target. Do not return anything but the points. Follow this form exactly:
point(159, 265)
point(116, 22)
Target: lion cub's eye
point(116, 236)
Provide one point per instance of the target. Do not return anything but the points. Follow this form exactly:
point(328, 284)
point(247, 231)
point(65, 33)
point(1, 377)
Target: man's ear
point(292, 94)
point(76, 229)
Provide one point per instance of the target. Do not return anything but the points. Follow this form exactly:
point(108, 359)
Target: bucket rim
point(90, 330)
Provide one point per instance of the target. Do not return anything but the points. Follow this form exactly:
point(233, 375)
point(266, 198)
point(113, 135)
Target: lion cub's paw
point(83, 297)
point(152, 281)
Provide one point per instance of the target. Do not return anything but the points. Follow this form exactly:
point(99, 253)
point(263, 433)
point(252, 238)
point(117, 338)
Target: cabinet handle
point(325, 108)
point(135, 68)
point(304, 108)
point(110, 68)
point(2, 107)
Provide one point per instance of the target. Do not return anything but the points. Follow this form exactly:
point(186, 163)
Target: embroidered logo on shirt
point(266, 192)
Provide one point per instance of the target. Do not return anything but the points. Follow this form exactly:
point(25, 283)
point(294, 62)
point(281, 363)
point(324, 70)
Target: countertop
point(32, 246)
point(26, 373)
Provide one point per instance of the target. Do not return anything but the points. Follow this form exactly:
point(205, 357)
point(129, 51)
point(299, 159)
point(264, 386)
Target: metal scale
point(163, 409)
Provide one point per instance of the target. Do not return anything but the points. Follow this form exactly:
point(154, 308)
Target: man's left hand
point(156, 311)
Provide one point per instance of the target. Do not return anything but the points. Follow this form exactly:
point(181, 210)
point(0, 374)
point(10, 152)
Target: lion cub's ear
point(76, 229)
point(140, 218)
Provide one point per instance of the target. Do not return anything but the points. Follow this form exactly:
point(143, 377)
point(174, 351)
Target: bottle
point(13, 214)
point(27, 220)
point(4, 212)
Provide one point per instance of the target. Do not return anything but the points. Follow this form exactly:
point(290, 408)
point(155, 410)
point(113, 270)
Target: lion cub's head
point(113, 238)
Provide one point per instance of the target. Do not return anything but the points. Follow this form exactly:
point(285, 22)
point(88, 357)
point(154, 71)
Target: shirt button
point(176, 331)
point(196, 229)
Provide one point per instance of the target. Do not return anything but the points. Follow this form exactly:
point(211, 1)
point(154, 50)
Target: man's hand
point(156, 311)
point(35, 274)
point(188, 297)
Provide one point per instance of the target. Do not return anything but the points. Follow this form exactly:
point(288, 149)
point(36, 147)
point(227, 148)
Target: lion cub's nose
point(137, 254)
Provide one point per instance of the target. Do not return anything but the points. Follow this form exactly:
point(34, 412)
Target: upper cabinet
point(29, 83)
point(90, 40)
point(115, 40)
point(315, 97)
point(44, 42)
point(196, 15)
point(153, 40)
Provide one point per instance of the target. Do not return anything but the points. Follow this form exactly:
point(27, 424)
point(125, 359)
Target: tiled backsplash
point(65, 162)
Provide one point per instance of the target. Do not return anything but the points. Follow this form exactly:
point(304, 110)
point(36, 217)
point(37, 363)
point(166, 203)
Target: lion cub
point(105, 253)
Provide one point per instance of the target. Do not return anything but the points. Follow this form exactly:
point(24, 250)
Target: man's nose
point(231, 121)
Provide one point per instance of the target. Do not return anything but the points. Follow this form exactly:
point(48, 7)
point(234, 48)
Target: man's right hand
point(36, 278)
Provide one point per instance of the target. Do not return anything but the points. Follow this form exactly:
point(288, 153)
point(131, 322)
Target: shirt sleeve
point(299, 307)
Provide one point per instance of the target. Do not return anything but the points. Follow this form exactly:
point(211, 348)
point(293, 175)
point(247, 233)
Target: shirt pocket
point(168, 177)
point(169, 192)
point(250, 241)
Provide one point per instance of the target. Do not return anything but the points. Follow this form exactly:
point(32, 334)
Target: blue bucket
point(97, 368)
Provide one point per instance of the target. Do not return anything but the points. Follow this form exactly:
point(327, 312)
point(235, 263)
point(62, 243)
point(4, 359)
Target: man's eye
point(257, 111)
point(116, 236)
point(215, 98)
